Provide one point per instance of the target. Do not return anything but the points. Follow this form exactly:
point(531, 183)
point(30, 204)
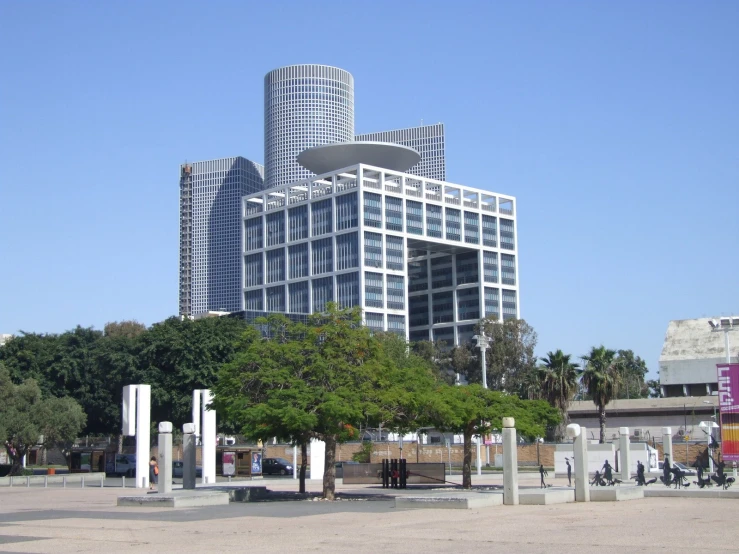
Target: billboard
point(728, 401)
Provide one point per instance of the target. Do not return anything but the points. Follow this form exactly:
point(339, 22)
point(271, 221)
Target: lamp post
point(482, 343)
point(708, 427)
point(725, 325)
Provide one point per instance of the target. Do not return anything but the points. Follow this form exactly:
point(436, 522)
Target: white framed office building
point(424, 258)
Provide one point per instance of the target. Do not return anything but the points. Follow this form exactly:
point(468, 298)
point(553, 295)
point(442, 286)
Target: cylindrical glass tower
point(304, 106)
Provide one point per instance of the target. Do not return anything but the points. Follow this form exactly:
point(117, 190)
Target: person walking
point(153, 472)
point(608, 472)
point(569, 472)
point(542, 472)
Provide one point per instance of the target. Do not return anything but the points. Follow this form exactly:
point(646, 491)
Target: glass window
point(433, 221)
point(491, 302)
point(471, 228)
point(508, 269)
point(346, 211)
point(468, 303)
point(276, 298)
point(347, 251)
point(394, 252)
point(396, 324)
point(418, 277)
point(443, 307)
point(298, 260)
point(322, 256)
point(393, 213)
point(373, 290)
point(490, 266)
point(323, 292)
point(506, 234)
point(453, 224)
point(489, 231)
point(275, 228)
point(414, 217)
point(322, 218)
point(347, 290)
point(509, 304)
point(372, 209)
point(418, 310)
point(467, 268)
point(374, 321)
point(395, 292)
point(275, 265)
point(253, 232)
point(253, 270)
point(253, 300)
point(298, 223)
point(299, 297)
point(441, 272)
point(372, 249)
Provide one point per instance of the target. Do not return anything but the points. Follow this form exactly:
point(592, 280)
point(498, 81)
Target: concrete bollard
point(102, 480)
point(510, 462)
point(123, 482)
point(46, 481)
point(580, 450)
point(82, 482)
point(164, 480)
point(189, 449)
point(28, 481)
point(11, 480)
point(624, 446)
point(667, 443)
point(64, 481)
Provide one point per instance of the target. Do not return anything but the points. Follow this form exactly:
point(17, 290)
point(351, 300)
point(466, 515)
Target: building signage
point(728, 401)
point(229, 464)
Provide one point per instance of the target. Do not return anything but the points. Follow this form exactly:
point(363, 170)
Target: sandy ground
point(58, 520)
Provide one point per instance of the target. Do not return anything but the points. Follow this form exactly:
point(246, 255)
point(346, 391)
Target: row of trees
point(325, 379)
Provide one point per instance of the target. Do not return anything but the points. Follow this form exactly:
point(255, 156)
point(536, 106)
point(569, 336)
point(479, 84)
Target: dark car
point(276, 465)
point(178, 468)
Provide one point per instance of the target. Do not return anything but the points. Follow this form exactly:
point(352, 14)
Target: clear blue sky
point(615, 124)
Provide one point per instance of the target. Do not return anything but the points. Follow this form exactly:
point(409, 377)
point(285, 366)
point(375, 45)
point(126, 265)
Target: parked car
point(122, 465)
point(276, 465)
point(178, 468)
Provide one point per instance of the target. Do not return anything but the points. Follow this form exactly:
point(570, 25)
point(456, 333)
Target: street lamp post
point(482, 343)
point(725, 325)
point(708, 427)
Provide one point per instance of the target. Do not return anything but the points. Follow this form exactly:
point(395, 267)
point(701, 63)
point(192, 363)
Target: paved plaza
point(56, 520)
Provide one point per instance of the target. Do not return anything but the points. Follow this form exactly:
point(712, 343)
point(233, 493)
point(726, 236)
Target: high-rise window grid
point(509, 304)
point(441, 272)
point(374, 321)
point(490, 266)
point(414, 217)
point(372, 209)
point(394, 252)
point(471, 227)
point(276, 298)
point(443, 307)
point(372, 249)
point(299, 299)
point(453, 224)
point(347, 290)
point(253, 300)
point(347, 251)
point(322, 256)
point(492, 299)
point(275, 265)
point(373, 289)
point(323, 292)
point(396, 324)
point(298, 223)
point(393, 213)
point(506, 234)
point(346, 211)
point(276, 228)
point(508, 269)
point(254, 271)
point(322, 218)
point(253, 233)
point(489, 231)
point(467, 268)
point(395, 292)
point(418, 310)
point(433, 221)
point(418, 278)
point(468, 303)
point(297, 255)
point(445, 335)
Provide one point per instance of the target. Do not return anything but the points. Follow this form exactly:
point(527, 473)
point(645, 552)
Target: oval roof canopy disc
point(330, 157)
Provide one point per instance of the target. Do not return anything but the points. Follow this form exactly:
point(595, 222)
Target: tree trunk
point(303, 464)
point(602, 418)
point(329, 471)
point(120, 444)
point(467, 460)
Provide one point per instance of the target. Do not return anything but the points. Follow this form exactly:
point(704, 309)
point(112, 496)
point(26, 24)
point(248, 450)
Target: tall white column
point(624, 446)
point(165, 457)
point(667, 443)
point(208, 437)
point(510, 462)
point(317, 458)
point(295, 460)
point(580, 451)
point(136, 415)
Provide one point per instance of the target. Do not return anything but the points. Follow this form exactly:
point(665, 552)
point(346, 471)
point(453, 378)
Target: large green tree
point(511, 362)
point(28, 419)
point(601, 378)
point(633, 371)
point(558, 380)
point(472, 410)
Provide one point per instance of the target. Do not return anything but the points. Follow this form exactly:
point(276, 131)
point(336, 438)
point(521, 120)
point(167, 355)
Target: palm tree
point(601, 378)
point(558, 379)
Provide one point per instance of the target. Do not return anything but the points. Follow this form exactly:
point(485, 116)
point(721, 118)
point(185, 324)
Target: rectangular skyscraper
point(210, 232)
point(423, 258)
point(428, 140)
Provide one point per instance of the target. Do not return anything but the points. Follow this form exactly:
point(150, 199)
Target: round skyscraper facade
point(304, 106)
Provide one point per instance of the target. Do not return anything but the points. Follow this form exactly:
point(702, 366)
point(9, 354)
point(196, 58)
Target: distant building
point(210, 232)
point(5, 338)
point(427, 140)
point(692, 348)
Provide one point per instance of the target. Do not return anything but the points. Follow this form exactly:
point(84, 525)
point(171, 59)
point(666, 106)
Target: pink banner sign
point(728, 401)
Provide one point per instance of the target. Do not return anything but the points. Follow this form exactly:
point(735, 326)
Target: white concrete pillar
point(136, 412)
point(625, 459)
point(208, 438)
point(667, 443)
point(317, 459)
point(510, 462)
point(164, 485)
point(189, 454)
point(580, 451)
